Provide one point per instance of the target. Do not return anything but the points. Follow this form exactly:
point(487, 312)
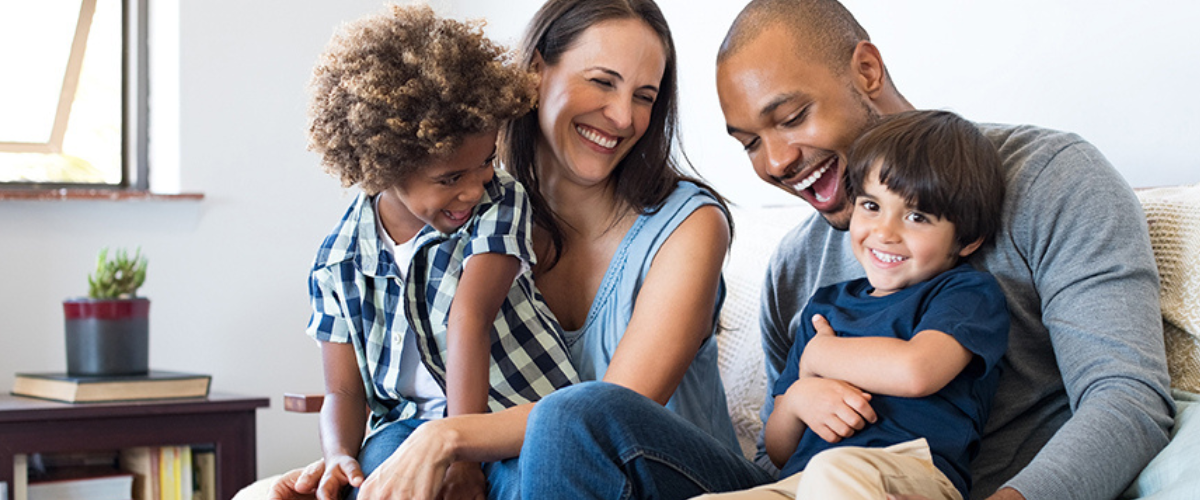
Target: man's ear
point(971, 248)
point(867, 69)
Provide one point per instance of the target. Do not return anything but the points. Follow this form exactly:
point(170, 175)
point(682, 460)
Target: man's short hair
point(821, 27)
point(940, 163)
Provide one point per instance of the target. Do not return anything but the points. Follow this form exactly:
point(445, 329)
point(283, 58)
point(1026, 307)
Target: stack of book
point(142, 473)
point(172, 472)
point(156, 384)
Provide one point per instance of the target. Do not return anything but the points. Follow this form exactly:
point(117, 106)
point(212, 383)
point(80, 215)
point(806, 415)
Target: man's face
point(795, 117)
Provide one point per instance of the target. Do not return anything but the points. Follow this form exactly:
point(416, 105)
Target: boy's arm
point(906, 368)
point(485, 283)
point(833, 409)
point(343, 417)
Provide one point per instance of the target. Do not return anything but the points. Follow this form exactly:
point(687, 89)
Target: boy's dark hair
point(396, 89)
point(940, 163)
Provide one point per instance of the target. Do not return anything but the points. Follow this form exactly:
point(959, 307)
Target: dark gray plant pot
point(107, 337)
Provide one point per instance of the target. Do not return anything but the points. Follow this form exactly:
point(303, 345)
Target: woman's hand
point(416, 469)
point(298, 484)
point(342, 471)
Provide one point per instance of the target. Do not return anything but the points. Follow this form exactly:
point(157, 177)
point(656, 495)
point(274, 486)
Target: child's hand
point(464, 481)
point(813, 347)
point(339, 472)
point(833, 409)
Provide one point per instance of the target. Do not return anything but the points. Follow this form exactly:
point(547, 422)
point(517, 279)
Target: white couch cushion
point(757, 232)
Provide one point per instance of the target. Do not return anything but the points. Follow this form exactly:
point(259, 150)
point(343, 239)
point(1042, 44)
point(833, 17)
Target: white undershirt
point(414, 382)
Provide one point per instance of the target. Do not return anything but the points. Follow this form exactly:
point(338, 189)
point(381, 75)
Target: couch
point(1174, 218)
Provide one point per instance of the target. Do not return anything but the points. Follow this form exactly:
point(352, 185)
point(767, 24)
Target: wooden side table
point(224, 420)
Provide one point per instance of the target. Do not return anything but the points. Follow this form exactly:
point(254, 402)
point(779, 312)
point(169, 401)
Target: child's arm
point(906, 368)
point(343, 418)
point(485, 283)
point(833, 409)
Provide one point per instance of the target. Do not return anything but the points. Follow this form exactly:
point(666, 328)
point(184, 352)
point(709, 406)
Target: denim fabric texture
point(597, 440)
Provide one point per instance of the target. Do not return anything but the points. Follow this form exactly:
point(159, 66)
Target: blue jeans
point(601, 441)
point(501, 476)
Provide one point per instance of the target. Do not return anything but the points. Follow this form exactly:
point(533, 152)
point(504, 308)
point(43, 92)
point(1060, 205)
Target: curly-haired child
point(422, 296)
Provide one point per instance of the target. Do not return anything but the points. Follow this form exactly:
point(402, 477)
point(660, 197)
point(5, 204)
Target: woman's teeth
point(596, 138)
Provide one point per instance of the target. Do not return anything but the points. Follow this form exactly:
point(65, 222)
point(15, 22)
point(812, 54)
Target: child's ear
point(971, 248)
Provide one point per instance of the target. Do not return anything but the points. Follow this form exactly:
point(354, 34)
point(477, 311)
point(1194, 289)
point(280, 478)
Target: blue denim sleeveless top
point(700, 397)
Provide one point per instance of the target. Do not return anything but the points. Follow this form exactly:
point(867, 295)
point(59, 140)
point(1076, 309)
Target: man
point(1083, 402)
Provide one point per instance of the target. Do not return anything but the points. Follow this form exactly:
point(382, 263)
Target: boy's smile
point(897, 244)
point(442, 194)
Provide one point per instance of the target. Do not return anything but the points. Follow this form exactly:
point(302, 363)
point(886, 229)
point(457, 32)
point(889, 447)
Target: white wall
point(227, 274)
point(1118, 73)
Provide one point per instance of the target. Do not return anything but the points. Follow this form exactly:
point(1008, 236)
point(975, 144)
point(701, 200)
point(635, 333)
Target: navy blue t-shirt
point(963, 303)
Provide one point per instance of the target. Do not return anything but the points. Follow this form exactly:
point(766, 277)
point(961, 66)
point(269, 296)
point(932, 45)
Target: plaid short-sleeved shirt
point(356, 292)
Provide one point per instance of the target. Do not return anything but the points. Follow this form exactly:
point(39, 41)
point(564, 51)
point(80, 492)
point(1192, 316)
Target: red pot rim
point(106, 308)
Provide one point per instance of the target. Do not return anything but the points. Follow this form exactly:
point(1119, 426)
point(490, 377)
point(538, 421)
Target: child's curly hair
point(396, 89)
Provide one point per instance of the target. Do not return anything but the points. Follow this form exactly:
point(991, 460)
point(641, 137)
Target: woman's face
point(595, 102)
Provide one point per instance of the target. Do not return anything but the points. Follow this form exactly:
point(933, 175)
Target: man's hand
point(464, 481)
point(298, 484)
point(833, 409)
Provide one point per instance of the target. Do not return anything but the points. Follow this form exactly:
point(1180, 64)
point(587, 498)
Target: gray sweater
point(1083, 402)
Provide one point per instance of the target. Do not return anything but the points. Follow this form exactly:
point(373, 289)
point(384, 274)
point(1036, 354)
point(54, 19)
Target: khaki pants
point(851, 472)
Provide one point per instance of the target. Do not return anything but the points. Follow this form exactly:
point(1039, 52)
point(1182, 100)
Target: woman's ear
point(538, 63)
point(971, 248)
point(867, 69)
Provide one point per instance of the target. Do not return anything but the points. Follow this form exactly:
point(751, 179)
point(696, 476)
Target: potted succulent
point(108, 333)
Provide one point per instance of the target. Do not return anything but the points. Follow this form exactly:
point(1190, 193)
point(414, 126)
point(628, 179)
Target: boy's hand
point(833, 409)
point(464, 481)
point(339, 472)
point(824, 332)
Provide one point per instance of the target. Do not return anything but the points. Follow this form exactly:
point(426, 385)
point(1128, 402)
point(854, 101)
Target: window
point(74, 94)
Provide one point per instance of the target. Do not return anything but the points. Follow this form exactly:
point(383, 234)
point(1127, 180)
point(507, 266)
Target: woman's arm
point(673, 314)
point(343, 418)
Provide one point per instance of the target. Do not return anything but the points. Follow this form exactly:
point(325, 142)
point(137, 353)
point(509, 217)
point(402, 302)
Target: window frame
point(135, 89)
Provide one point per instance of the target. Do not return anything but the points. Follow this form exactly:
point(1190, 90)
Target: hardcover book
point(156, 384)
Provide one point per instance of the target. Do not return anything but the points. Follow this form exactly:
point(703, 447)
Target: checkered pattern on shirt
point(355, 291)
point(529, 356)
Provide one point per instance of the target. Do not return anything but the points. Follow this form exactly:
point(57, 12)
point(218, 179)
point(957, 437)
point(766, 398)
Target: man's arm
point(1081, 231)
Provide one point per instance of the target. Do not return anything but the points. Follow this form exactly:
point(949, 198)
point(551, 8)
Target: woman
point(629, 249)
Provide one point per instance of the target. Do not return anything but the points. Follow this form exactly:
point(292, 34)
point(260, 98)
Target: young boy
point(888, 389)
point(422, 296)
